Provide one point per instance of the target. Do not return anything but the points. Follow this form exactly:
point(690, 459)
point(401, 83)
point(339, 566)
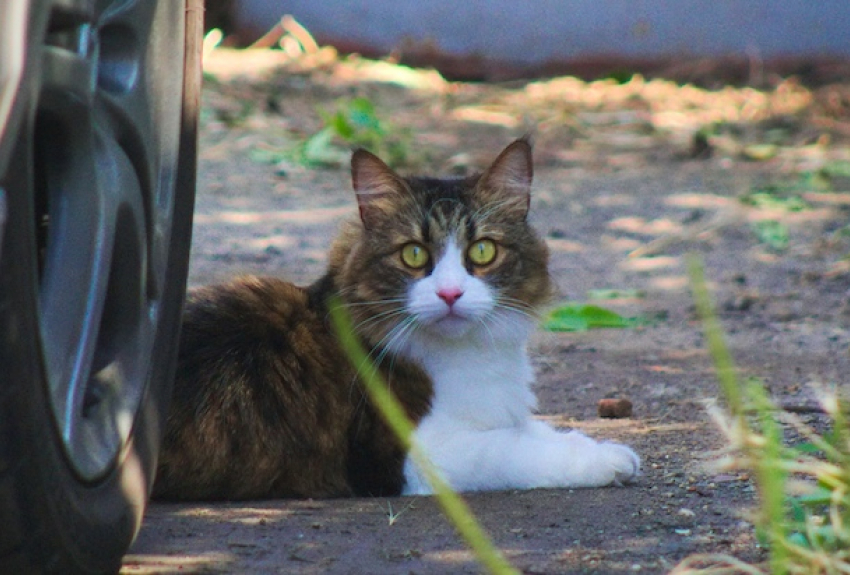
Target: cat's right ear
point(508, 179)
point(375, 184)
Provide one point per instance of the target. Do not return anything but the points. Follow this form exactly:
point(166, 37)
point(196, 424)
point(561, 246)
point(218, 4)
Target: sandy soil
point(624, 190)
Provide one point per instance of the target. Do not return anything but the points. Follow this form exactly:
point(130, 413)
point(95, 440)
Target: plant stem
point(454, 507)
point(767, 458)
point(714, 338)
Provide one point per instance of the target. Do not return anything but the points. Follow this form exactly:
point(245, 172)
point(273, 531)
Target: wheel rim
point(106, 130)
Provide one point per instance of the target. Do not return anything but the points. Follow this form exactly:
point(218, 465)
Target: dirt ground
point(629, 179)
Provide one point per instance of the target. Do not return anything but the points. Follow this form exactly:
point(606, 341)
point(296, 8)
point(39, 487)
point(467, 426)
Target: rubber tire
point(51, 521)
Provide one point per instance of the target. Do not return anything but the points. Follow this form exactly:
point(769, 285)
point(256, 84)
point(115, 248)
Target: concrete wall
point(540, 30)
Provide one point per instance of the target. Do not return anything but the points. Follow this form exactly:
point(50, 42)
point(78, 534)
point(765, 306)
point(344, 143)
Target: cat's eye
point(482, 252)
point(415, 256)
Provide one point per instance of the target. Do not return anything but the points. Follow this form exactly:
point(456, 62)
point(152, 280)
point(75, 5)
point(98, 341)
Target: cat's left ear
point(509, 176)
point(375, 184)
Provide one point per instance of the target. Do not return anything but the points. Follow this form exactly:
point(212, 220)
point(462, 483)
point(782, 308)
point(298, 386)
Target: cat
point(444, 280)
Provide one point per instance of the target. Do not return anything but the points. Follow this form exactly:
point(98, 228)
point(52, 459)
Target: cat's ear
point(375, 184)
point(508, 179)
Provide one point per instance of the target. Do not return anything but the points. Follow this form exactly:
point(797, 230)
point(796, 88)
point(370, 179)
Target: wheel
point(98, 131)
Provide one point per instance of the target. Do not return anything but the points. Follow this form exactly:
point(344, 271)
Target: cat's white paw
point(621, 461)
point(591, 463)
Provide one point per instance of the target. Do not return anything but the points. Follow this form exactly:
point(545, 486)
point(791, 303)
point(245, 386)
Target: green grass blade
point(714, 338)
point(771, 477)
point(454, 507)
point(769, 473)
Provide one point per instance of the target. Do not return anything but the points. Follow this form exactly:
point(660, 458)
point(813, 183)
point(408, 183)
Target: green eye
point(415, 256)
point(482, 252)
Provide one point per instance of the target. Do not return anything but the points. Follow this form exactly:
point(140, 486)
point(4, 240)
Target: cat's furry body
point(443, 279)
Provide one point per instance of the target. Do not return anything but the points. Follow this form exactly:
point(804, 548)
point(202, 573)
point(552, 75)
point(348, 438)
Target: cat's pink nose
point(450, 295)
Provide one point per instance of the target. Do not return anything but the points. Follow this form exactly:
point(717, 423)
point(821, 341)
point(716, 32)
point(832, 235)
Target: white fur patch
point(480, 432)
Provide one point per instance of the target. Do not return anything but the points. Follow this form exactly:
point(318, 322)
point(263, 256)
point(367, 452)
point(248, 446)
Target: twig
point(288, 25)
point(300, 33)
point(270, 38)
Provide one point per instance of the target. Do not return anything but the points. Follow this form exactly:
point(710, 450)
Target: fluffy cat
point(443, 279)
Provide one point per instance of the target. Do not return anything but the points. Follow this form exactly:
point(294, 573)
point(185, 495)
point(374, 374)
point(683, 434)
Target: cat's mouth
point(452, 324)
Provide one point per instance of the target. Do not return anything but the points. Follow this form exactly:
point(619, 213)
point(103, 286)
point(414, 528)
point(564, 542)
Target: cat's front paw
point(621, 461)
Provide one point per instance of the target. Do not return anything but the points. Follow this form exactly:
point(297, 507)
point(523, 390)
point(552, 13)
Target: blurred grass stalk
point(805, 533)
point(454, 507)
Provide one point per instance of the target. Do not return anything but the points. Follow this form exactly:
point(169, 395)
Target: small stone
point(742, 301)
point(615, 408)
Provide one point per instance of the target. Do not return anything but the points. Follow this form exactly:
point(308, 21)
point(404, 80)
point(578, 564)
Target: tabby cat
point(443, 279)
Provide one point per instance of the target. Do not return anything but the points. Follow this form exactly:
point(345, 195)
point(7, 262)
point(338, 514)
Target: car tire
point(97, 179)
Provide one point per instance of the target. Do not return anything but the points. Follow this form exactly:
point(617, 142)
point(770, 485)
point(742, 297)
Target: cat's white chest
point(481, 434)
point(481, 387)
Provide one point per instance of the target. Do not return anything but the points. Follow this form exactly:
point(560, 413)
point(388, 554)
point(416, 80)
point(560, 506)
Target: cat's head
point(442, 258)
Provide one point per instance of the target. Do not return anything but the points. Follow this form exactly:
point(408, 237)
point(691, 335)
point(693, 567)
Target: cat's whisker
point(354, 304)
point(517, 305)
point(401, 332)
point(369, 321)
point(522, 313)
point(397, 331)
point(513, 300)
point(501, 321)
point(384, 314)
point(484, 322)
point(386, 342)
point(405, 334)
point(361, 327)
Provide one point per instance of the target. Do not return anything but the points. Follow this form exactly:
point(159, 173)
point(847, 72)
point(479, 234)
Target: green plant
point(392, 516)
point(771, 232)
point(787, 194)
point(804, 491)
point(773, 197)
point(580, 317)
point(452, 504)
point(355, 123)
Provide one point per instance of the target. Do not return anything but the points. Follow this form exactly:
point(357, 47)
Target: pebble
point(615, 408)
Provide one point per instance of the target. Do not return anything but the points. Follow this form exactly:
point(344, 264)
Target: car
point(98, 134)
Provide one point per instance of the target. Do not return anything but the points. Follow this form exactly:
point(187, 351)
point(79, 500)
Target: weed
point(773, 233)
point(392, 516)
point(775, 197)
point(355, 124)
point(454, 507)
point(580, 317)
point(804, 491)
point(787, 195)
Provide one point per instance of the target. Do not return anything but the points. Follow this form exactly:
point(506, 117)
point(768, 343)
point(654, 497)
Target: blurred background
point(662, 129)
point(499, 39)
